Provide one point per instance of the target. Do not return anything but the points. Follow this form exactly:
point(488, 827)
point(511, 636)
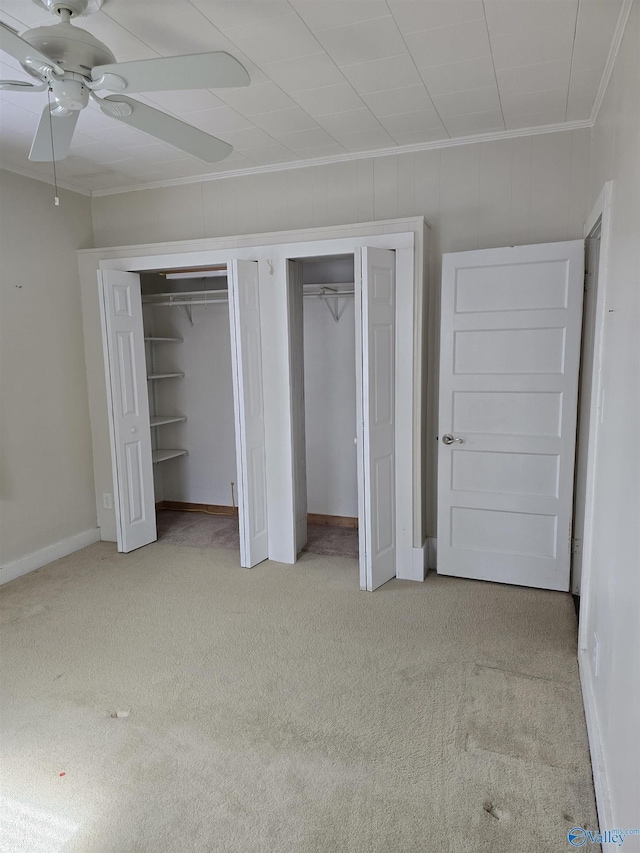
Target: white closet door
point(296, 379)
point(509, 354)
point(246, 355)
point(134, 499)
point(378, 563)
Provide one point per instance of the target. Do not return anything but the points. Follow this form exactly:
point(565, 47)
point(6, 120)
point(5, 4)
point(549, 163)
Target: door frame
point(409, 237)
point(600, 216)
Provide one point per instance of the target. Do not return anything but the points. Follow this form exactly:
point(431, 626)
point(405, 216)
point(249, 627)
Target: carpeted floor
point(168, 701)
point(200, 530)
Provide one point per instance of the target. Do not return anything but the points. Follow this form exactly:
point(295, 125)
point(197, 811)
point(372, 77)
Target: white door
point(376, 421)
point(509, 357)
point(296, 381)
point(246, 356)
point(134, 499)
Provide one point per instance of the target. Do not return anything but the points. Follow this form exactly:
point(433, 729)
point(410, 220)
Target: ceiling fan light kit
point(73, 65)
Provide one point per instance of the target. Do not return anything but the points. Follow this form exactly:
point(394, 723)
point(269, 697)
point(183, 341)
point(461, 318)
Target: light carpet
point(281, 709)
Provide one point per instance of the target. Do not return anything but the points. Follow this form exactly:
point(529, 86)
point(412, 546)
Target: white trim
point(348, 157)
point(611, 58)
point(62, 185)
point(31, 562)
point(596, 747)
point(418, 568)
point(601, 211)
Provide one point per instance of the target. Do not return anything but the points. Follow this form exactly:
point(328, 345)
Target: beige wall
point(613, 606)
point(528, 190)
point(46, 487)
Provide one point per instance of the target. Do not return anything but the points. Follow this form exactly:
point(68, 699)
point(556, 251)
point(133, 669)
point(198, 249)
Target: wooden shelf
point(166, 419)
point(163, 455)
point(164, 375)
point(165, 340)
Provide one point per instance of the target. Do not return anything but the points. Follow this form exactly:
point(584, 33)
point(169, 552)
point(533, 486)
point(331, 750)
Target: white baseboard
point(600, 781)
point(432, 553)
point(419, 562)
point(40, 558)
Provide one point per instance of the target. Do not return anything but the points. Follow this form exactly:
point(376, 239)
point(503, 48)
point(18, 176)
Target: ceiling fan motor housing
point(72, 48)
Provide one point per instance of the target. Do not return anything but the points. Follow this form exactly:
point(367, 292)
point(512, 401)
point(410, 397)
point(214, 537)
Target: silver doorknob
point(447, 438)
point(134, 429)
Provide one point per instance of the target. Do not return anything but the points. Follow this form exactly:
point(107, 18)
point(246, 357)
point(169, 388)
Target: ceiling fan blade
point(20, 86)
point(197, 71)
point(21, 50)
point(168, 129)
point(63, 127)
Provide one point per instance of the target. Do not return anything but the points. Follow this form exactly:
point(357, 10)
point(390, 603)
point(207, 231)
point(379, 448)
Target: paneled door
point(509, 359)
point(246, 357)
point(376, 417)
point(129, 426)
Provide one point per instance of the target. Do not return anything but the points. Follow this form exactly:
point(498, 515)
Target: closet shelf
point(164, 375)
point(190, 297)
point(163, 455)
point(166, 419)
point(165, 340)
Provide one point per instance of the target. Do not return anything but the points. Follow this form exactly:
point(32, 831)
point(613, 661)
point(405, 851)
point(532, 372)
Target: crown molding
point(350, 157)
point(616, 41)
point(62, 185)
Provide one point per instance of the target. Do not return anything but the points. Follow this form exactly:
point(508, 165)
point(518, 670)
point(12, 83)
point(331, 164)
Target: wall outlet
point(107, 500)
point(595, 656)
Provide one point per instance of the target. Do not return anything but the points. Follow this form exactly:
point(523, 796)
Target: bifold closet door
point(246, 357)
point(376, 423)
point(129, 425)
point(296, 380)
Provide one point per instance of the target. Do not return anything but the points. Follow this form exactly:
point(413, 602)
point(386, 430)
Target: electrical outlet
point(595, 656)
point(107, 500)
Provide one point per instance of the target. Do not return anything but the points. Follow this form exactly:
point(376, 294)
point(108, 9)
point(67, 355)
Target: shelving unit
point(160, 454)
point(167, 419)
point(163, 455)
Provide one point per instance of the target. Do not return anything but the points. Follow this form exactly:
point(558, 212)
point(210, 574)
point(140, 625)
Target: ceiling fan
point(73, 66)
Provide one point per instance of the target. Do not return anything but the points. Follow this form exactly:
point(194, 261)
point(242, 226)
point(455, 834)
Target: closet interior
point(328, 444)
point(189, 373)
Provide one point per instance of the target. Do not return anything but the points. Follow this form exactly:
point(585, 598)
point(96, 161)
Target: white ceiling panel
point(350, 121)
point(339, 13)
point(382, 74)
point(449, 44)
point(474, 123)
point(329, 99)
point(363, 42)
point(327, 77)
point(529, 47)
point(407, 122)
point(366, 140)
point(471, 101)
point(395, 101)
point(286, 37)
point(534, 102)
point(228, 15)
point(513, 16)
point(285, 121)
point(253, 100)
point(534, 78)
point(412, 16)
point(459, 76)
point(310, 72)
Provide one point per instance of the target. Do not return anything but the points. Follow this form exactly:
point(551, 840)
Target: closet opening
point(329, 478)
point(191, 405)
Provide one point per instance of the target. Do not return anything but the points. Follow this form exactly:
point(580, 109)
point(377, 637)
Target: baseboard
point(600, 780)
point(332, 520)
point(419, 562)
point(432, 553)
point(44, 556)
point(209, 509)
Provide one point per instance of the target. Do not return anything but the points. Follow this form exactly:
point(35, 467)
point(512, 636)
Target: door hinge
point(576, 546)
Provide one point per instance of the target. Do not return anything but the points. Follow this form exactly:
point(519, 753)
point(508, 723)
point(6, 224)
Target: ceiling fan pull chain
point(56, 198)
